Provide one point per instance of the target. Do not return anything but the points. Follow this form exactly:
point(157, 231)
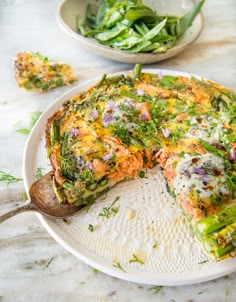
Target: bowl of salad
point(132, 31)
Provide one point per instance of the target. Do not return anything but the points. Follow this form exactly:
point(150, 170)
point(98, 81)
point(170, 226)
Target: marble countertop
point(33, 267)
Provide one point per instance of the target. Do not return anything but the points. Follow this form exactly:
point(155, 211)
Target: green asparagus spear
point(222, 243)
point(215, 222)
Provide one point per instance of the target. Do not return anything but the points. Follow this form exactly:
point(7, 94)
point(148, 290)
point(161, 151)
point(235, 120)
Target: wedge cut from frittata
point(123, 124)
point(35, 72)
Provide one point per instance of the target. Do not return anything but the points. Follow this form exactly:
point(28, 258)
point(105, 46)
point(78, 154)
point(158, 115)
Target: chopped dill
point(172, 193)
point(156, 288)
point(135, 259)
point(204, 261)
point(38, 173)
point(110, 211)
point(91, 228)
point(117, 265)
point(141, 174)
point(155, 245)
point(82, 283)
point(33, 119)
point(24, 196)
point(8, 178)
point(48, 263)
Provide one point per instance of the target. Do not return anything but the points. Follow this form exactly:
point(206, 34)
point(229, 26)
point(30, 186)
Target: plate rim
point(125, 57)
point(164, 279)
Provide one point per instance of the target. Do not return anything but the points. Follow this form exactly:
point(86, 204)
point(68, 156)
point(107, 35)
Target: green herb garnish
point(141, 174)
point(90, 201)
point(99, 84)
point(176, 135)
point(122, 133)
point(90, 228)
point(231, 183)
point(135, 259)
point(204, 261)
point(172, 193)
point(117, 265)
point(107, 212)
point(24, 196)
point(82, 282)
point(167, 81)
point(47, 265)
point(212, 149)
point(33, 119)
point(147, 133)
point(156, 288)
point(227, 291)
point(8, 178)
point(38, 173)
point(155, 245)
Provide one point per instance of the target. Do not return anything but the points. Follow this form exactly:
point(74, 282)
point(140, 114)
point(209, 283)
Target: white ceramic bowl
point(69, 9)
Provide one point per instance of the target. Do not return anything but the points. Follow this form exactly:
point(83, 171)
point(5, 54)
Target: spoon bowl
point(44, 201)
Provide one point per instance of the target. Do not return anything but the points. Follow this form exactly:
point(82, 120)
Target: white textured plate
point(69, 9)
point(157, 234)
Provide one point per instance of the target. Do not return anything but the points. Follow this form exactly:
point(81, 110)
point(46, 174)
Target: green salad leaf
point(131, 26)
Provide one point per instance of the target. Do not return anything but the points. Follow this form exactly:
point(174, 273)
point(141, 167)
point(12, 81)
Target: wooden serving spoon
point(43, 200)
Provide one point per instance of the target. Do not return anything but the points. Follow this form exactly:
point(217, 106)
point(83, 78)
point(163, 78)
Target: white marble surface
point(25, 247)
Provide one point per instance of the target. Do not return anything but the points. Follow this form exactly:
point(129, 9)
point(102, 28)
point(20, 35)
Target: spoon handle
point(25, 208)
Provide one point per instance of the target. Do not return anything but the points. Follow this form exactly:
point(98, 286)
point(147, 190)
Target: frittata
point(35, 72)
point(126, 123)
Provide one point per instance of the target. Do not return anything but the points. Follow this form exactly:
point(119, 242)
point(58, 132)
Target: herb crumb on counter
point(8, 178)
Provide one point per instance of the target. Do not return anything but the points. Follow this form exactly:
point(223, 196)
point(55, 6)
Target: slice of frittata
point(35, 72)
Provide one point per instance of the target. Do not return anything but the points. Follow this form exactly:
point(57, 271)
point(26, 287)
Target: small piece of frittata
point(35, 72)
